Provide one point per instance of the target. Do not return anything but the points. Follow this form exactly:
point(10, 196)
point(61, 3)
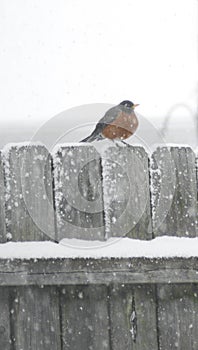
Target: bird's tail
point(92, 137)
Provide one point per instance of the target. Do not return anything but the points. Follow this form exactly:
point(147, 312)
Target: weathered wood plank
point(5, 335)
point(126, 192)
point(78, 192)
point(35, 318)
point(85, 320)
point(29, 200)
point(102, 271)
point(2, 204)
point(174, 192)
point(178, 317)
point(196, 222)
point(133, 317)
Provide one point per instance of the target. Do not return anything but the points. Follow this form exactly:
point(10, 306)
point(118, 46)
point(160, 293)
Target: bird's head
point(129, 104)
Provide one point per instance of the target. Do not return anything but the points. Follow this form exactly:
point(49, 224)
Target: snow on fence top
point(77, 193)
point(115, 247)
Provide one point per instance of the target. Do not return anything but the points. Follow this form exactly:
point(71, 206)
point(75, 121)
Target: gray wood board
point(29, 198)
point(5, 335)
point(35, 318)
point(97, 271)
point(2, 203)
point(78, 192)
point(178, 317)
point(133, 317)
point(85, 320)
point(126, 192)
point(174, 192)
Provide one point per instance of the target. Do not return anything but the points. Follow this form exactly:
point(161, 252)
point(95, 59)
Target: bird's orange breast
point(122, 127)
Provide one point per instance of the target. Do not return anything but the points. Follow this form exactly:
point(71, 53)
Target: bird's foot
point(120, 143)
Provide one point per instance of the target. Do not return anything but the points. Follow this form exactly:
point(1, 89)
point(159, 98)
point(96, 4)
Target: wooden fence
point(98, 303)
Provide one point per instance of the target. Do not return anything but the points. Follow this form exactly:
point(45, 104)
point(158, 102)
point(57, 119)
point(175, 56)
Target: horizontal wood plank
point(97, 271)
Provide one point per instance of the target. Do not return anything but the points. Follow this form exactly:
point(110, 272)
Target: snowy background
point(56, 55)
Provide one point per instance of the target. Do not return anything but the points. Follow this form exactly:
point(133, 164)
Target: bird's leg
point(119, 143)
point(116, 142)
point(125, 143)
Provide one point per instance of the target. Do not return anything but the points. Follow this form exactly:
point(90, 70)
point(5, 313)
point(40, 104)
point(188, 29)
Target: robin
point(118, 123)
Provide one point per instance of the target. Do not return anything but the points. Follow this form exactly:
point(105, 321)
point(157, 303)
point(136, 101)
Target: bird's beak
point(135, 105)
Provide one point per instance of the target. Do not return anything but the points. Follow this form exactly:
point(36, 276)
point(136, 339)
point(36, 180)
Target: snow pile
point(161, 247)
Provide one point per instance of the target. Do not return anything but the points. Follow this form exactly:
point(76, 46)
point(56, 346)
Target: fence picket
point(78, 192)
point(35, 318)
point(126, 192)
point(2, 203)
point(29, 201)
point(178, 316)
point(174, 192)
point(85, 320)
point(133, 317)
point(5, 331)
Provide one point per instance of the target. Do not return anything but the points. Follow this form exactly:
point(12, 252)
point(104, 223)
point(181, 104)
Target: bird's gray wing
point(108, 118)
point(110, 115)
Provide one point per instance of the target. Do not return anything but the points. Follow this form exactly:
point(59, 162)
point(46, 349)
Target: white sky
point(57, 54)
